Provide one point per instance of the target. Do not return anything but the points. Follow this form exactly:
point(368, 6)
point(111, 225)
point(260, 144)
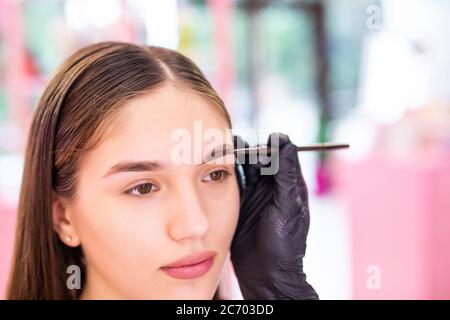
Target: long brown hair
point(90, 85)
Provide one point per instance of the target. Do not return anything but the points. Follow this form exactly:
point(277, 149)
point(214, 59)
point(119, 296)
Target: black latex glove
point(270, 240)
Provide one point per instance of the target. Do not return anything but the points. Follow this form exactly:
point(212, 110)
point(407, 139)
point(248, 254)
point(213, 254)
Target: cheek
point(116, 236)
point(223, 210)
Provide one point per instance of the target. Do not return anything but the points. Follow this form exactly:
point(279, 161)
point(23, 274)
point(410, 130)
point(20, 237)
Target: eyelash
point(224, 175)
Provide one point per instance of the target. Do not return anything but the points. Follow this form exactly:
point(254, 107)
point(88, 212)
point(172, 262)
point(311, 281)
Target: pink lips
point(192, 266)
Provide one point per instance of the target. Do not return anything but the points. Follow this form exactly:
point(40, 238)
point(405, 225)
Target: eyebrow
point(154, 165)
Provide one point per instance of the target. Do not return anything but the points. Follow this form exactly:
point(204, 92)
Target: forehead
point(152, 124)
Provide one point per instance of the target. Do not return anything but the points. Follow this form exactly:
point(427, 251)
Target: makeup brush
point(324, 146)
point(312, 147)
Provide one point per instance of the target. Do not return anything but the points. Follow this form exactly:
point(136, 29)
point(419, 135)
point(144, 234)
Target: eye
point(142, 189)
point(217, 175)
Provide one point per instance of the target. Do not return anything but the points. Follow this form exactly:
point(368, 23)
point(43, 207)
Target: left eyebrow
point(154, 165)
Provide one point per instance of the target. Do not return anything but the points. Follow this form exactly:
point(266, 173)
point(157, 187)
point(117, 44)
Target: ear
point(62, 223)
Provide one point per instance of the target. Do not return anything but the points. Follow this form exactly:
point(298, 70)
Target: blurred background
point(374, 74)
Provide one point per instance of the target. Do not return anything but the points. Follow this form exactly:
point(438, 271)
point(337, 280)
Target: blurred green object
point(288, 47)
point(41, 21)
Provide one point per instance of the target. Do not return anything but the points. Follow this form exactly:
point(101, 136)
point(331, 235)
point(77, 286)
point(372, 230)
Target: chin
point(194, 294)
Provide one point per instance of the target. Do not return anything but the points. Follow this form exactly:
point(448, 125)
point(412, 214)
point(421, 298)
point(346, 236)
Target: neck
point(97, 288)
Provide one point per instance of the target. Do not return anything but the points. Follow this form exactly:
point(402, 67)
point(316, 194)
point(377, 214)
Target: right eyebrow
point(134, 166)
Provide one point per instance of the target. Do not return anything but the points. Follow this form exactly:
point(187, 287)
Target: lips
point(191, 259)
point(191, 266)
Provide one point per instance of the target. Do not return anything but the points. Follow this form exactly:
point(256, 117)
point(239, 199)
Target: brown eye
point(142, 189)
point(217, 175)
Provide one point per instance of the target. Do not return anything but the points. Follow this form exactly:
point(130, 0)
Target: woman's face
point(137, 208)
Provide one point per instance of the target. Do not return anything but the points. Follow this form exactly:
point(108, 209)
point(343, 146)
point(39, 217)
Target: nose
point(188, 218)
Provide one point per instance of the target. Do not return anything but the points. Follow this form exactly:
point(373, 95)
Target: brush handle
point(313, 147)
point(266, 151)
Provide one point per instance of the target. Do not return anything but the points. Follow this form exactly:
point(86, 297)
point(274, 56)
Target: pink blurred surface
point(7, 229)
point(400, 222)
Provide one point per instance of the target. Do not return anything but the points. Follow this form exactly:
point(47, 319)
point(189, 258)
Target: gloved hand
point(270, 240)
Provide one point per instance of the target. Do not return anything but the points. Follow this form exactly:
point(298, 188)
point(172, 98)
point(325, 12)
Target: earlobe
point(63, 225)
